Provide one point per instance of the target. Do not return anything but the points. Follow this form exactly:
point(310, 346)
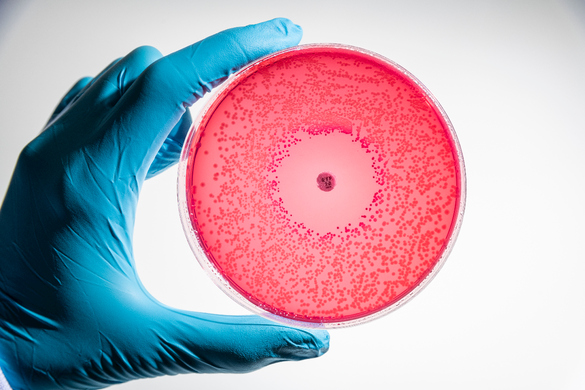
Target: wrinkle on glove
point(73, 313)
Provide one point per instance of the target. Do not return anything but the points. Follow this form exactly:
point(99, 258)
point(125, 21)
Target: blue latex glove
point(73, 313)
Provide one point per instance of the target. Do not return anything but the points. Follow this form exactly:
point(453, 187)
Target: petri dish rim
point(223, 282)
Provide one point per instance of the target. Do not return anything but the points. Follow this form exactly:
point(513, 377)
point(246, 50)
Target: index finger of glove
point(154, 104)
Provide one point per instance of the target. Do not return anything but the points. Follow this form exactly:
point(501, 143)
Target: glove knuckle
point(31, 156)
point(147, 54)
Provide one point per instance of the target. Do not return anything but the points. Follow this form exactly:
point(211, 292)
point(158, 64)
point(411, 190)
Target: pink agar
point(388, 187)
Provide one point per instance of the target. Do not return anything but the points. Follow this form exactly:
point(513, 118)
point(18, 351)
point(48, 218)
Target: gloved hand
point(73, 313)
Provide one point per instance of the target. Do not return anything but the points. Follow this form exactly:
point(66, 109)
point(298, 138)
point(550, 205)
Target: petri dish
point(322, 186)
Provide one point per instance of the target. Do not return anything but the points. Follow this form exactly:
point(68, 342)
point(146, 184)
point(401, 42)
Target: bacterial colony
point(324, 185)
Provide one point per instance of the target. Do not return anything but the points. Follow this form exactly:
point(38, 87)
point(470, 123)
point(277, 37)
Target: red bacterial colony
point(324, 185)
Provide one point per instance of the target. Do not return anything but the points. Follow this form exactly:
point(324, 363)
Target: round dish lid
point(322, 186)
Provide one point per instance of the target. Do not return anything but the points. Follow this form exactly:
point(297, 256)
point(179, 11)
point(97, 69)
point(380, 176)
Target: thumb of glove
point(175, 342)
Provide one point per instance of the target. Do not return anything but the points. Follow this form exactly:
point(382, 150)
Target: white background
point(508, 309)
